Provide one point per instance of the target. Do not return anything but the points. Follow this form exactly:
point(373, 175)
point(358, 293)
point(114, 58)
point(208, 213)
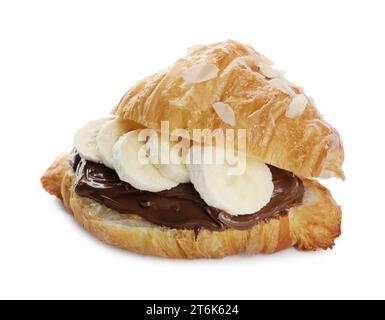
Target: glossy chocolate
point(180, 207)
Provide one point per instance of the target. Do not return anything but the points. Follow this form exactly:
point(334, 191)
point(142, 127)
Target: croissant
point(221, 86)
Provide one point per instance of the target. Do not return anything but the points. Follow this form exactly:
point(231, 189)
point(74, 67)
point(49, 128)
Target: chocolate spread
point(180, 207)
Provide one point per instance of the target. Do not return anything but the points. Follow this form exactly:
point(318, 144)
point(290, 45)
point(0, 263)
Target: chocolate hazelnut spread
point(180, 207)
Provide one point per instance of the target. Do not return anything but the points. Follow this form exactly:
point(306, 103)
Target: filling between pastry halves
point(180, 207)
point(174, 181)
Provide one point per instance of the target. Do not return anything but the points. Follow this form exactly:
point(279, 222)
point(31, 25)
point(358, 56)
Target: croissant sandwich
point(217, 155)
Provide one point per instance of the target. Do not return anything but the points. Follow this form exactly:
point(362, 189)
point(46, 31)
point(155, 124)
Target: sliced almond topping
point(250, 49)
point(287, 82)
point(282, 85)
point(194, 48)
point(200, 72)
point(225, 112)
point(265, 60)
point(260, 76)
point(297, 106)
point(269, 71)
point(259, 56)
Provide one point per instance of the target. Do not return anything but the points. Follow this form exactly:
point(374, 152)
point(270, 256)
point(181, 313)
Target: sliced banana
point(109, 133)
point(175, 171)
point(167, 156)
point(240, 194)
point(85, 139)
point(129, 160)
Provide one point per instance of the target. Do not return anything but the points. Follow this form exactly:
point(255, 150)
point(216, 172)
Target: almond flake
point(194, 48)
point(200, 72)
point(287, 82)
point(225, 112)
point(249, 48)
point(265, 60)
point(259, 76)
point(297, 106)
point(269, 71)
point(282, 85)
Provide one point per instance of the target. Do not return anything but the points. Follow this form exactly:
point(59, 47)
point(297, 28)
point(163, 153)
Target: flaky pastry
point(305, 145)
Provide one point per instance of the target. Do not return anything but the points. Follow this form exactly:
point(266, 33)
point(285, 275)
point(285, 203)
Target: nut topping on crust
point(281, 85)
point(269, 71)
point(225, 112)
point(297, 106)
point(200, 72)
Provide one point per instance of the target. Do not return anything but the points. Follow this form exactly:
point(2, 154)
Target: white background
point(63, 63)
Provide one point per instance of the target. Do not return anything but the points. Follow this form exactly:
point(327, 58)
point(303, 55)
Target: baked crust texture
point(305, 145)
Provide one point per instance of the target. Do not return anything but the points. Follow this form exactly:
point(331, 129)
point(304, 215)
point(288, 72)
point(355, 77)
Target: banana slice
point(240, 194)
point(109, 133)
point(85, 139)
point(129, 157)
point(167, 156)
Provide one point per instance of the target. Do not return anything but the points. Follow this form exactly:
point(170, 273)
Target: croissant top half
point(239, 77)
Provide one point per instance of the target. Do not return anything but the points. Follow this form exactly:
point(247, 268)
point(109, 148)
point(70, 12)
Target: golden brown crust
point(312, 225)
point(305, 145)
point(52, 182)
